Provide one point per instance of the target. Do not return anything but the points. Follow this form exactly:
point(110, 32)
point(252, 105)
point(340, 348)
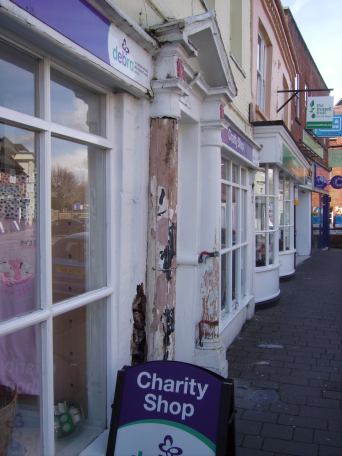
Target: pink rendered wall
point(277, 68)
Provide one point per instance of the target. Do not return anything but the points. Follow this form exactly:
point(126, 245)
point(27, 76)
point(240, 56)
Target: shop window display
point(52, 252)
point(233, 236)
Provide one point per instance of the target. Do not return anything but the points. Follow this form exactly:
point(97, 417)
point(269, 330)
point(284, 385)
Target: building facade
point(314, 148)
point(283, 166)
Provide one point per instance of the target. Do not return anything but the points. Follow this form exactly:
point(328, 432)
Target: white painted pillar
point(303, 223)
point(209, 350)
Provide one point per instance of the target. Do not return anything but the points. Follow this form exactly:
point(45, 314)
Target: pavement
point(287, 367)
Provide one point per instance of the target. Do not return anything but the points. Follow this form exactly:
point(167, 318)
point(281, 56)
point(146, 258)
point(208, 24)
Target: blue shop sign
point(336, 129)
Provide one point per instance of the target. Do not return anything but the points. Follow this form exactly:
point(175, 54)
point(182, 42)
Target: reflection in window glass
point(243, 272)
point(270, 181)
point(78, 219)
point(243, 177)
point(236, 175)
point(225, 169)
point(287, 188)
point(270, 248)
point(79, 358)
point(20, 371)
point(18, 217)
point(287, 212)
point(287, 238)
point(260, 259)
point(271, 213)
point(73, 105)
point(243, 216)
point(234, 277)
point(260, 213)
point(17, 80)
point(235, 215)
point(225, 282)
point(260, 182)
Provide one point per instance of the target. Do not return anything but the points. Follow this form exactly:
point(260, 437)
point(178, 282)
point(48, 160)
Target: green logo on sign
point(312, 109)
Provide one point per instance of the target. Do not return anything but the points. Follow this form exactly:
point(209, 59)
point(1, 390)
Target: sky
point(320, 23)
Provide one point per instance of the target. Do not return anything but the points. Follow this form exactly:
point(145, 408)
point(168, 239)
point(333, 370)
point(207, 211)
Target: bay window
point(265, 220)
point(286, 216)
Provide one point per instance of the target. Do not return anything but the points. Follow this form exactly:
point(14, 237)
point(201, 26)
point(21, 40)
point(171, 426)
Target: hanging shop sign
point(87, 27)
point(335, 157)
point(335, 130)
point(171, 408)
point(336, 182)
point(321, 177)
point(319, 112)
point(233, 139)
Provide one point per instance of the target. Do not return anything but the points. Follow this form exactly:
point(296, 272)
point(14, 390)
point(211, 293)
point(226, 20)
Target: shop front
point(282, 170)
point(320, 208)
point(72, 186)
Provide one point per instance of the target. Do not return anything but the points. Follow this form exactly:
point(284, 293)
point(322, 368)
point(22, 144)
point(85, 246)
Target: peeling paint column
point(161, 260)
point(209, 351)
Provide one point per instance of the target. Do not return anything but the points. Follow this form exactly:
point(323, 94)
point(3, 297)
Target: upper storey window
point(261, 72)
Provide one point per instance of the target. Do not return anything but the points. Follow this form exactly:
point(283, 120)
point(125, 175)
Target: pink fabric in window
point(19, 366)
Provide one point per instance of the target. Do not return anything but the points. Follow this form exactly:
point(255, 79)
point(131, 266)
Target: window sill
point(260, 113)
point(98, 447)
point(227, 318)
point(270, 267)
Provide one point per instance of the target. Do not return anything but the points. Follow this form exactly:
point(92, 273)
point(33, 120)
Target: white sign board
point(128, 57)
point(319, 112)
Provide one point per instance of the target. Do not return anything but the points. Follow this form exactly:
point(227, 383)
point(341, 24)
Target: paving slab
point(287, 366)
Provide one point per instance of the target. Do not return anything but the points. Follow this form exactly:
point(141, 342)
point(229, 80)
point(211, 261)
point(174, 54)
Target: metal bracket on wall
point(296, 92)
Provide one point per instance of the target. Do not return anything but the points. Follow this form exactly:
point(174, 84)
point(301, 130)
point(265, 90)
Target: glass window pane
point(17, 80)
point(235, 278)
point(225, 282)
point(243, 177)
point(281, 240)
point(260, 213)
point(236, 174)
point(243, 272)
point(287, 189)
point(271, 213)
point(260, 182)
point(270, 181)
point(224, 215)
point(224, 227)
point(287, 213)
point(260, 258)
point(79, 357)
point(235, 215)
point(271, 238)
point(20, 370)
point(78, 219)
point(287, 235)
point(244, 216)
point(74, 105)
point(225, 169)
point(18, 216)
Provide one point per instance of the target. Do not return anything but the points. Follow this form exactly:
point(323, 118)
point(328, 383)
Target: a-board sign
point(164, 408)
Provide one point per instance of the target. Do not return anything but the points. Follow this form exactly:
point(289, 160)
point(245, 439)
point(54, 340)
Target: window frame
point(40, 123)
point(239, 246)
point(287, 203)
point(261, 68)
point(267, 231)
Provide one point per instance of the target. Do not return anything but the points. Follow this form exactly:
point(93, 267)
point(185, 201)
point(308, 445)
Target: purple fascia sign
point(321, 182)
point(80, 22)
point(233, 139)
point(164, 408)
